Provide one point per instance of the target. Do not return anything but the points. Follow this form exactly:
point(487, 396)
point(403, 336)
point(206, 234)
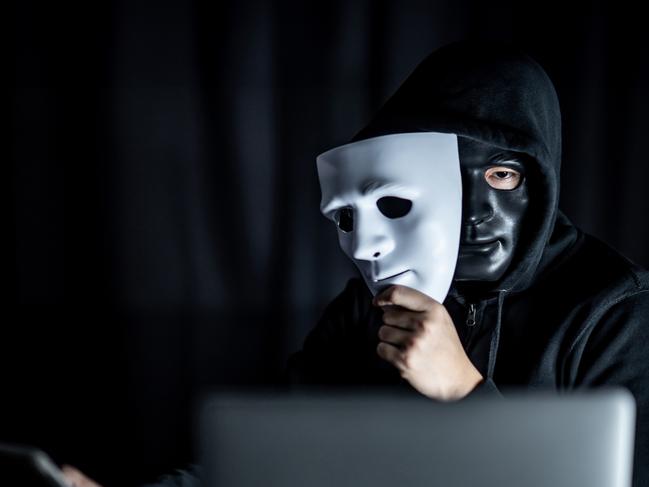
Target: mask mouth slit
point(390, 277)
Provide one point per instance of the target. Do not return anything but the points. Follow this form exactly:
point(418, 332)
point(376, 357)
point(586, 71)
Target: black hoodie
point(569, 313)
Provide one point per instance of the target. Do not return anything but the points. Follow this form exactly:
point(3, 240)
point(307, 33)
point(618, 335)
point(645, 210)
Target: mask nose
point(371, 241)
point(476, 206)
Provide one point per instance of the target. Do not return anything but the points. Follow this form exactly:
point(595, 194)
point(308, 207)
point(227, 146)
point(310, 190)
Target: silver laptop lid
point(347, 439)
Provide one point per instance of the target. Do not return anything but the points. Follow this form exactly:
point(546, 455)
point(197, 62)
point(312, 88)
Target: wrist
point(472, 379)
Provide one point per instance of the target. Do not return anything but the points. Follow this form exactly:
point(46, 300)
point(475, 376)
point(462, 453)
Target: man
point(534, 302)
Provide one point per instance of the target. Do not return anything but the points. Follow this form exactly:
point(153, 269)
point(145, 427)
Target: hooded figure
point(564, 312)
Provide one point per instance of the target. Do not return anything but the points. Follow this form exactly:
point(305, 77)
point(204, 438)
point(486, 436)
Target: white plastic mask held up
point(397, 202)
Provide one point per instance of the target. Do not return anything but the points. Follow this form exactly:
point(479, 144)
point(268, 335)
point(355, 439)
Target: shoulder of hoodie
point(349, 307)
point(360, 296)
point(607, 296)
point(595, 274)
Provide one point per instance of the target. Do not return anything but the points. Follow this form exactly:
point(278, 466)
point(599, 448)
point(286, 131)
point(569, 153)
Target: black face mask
point(494, 203)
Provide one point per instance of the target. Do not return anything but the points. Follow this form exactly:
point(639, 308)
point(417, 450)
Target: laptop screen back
point(379, 439)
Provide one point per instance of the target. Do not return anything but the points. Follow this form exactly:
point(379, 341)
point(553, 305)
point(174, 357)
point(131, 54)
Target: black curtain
point(164, 197)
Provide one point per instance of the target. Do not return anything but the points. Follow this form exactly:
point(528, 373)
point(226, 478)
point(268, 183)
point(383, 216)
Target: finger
point(396, 336)
point(390, 353)
point(404, 296)
point(408, 320)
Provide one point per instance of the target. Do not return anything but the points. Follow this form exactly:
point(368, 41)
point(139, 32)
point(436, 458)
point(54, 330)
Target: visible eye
point(501, 177)
point(344, 219)
point(394, 207)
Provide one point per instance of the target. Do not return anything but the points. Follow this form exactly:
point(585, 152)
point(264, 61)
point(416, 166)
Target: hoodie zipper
point(471, 324)
point(470, 319)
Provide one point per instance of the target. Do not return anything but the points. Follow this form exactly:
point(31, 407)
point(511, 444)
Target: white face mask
point(397, 202)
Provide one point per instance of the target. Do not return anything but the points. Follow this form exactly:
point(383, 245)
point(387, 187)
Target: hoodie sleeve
point(614, 352)
point(486, 388)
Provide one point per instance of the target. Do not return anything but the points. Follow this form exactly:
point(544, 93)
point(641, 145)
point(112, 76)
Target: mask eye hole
point(344, 219)
point(504, 178)
point(394, 207)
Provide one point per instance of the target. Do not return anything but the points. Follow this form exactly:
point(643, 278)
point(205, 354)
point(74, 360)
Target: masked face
point(397, 202)
point(495, 200)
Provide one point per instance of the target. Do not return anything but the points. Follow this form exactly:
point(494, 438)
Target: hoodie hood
point(494, 93)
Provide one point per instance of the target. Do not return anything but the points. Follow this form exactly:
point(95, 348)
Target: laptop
point(383, 438)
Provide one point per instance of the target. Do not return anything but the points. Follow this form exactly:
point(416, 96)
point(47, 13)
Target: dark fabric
point(569, 313)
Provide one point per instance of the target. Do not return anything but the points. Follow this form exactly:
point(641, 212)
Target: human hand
point(420, 339)
point(77, 479)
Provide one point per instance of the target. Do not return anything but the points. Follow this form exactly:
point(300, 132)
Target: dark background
point(164, 197)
